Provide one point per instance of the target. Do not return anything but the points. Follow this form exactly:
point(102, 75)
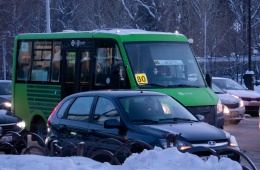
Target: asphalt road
point(247, 133)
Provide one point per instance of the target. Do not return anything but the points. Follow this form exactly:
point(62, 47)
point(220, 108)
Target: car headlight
point(7, 104)
point(233, 141)
point(181, 145)
point(241, 103)
point(21, 124)
point(225, 110)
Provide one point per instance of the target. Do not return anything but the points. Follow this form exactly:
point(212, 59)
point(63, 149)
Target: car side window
point(63, 108)
point(105, 110)
point(80, 109)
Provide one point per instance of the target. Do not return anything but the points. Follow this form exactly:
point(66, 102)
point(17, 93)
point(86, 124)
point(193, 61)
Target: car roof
point(219, 78)
point(3, 81)
point(117, 93)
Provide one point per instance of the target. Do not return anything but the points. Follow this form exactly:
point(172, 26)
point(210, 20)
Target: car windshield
point(155, 109)
point(217, 90)
point(164, 64)
point(5, 88)
point(227, 84)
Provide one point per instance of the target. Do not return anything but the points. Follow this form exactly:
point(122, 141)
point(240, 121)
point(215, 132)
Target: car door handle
point(62, 127)
point(92, 131)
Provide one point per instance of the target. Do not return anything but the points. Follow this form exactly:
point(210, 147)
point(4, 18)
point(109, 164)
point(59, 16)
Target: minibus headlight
point(219, 106)
point(222, 108)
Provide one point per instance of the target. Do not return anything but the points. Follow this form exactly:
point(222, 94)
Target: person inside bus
point(55, 71)
point(164, 71)
point(24, 73)
point(56, 63)
point(85, 66)
point(115, 77)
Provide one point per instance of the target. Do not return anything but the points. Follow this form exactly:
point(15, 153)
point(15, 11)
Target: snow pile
point(167, 159)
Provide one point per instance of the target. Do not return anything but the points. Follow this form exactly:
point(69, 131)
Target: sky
point(163, 159)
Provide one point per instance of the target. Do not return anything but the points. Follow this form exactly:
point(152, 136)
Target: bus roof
point(123, 34)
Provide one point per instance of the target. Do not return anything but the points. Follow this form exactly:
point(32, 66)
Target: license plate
point(6, 139)
point(205, 158)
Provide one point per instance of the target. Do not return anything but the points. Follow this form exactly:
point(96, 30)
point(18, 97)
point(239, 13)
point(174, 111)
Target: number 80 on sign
point(141, 78)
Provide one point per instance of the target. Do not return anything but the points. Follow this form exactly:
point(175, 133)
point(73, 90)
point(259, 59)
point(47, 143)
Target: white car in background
point(251, 99)
point(234, 110)
point(5, 94)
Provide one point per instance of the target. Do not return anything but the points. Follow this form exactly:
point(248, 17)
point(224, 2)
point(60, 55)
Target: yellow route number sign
point(141, 78)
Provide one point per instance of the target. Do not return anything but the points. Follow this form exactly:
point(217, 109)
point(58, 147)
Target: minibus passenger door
point(84, 70)
point(69, 73)
point(76, 77)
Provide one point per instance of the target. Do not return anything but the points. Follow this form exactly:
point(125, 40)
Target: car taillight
point(52, 114)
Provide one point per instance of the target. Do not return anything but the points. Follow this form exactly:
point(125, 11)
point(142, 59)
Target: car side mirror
point(112, 123)
point(201, 118)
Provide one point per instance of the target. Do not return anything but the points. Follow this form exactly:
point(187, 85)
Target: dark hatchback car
point(133, 115)
point(10, 123)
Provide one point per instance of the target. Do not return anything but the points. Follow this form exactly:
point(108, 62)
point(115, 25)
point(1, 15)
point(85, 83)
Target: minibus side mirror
point(209, 80)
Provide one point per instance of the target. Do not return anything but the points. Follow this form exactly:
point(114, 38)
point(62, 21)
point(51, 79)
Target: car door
point(73, 127)
point(105, 109)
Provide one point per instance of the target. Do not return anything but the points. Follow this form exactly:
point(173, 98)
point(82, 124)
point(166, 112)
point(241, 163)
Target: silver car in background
point(250, 98)
point(234, 109)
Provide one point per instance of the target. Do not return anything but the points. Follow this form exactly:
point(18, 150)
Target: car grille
point(232, 106)
point(218, 143)
point(250, 99)
point(207, 111)
point(8, 127)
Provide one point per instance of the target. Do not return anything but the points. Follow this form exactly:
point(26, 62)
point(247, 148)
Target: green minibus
point(50, 66)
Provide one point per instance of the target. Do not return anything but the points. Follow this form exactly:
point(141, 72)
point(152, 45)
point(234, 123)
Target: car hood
point(244, 93)
point(227, 99)
point(6, 118)
point(197, 131)
point(8, 97)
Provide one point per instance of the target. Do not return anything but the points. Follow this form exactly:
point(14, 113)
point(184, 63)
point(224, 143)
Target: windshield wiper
point(154, 84)
point(145, 120)
point(219, 93)
point(183, 85)
point(179, 119)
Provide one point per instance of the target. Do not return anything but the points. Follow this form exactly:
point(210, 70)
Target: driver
point(152, 105)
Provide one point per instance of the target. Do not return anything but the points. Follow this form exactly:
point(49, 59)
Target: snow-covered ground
point(167, 159)
point(257, 88)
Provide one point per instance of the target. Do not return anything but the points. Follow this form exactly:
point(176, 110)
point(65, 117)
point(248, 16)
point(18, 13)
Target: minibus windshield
point(164, 64)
